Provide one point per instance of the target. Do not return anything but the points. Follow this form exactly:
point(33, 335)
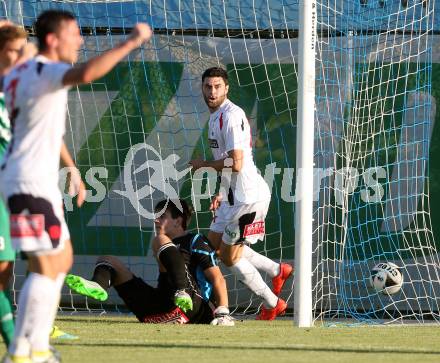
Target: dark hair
point(216, 72)
point(175, 212)
point(11, 32)
point(49, 22)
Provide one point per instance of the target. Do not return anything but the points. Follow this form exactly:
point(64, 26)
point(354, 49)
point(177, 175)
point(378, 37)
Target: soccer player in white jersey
point(242, 205)
point(12, 42)
point(36, 98)
point(15, 50)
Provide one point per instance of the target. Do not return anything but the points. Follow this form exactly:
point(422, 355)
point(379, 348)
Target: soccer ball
point(386, 278)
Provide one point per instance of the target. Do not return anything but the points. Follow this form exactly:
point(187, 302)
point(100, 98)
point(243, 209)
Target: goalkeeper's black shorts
point(144, 300)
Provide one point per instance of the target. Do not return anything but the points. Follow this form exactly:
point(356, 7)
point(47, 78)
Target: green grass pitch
point(123, 339)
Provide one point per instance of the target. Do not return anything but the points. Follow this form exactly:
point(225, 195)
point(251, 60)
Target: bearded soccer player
point(240, 210)
point(189, 278)
point(36, 99)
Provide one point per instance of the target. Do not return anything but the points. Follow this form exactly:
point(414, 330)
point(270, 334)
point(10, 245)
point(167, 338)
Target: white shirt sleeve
point(236, 132)
point(53, 74)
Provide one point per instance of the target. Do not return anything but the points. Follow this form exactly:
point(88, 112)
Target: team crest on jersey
point(254, 229)
point(31, 225)
point(213, 144)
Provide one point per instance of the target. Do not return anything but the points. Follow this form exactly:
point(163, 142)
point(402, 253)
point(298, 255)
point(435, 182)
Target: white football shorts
point(37, 219)
point(243, 223)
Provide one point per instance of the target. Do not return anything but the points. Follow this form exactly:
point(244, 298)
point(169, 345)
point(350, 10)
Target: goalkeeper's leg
point(86, 287)
point(109, 271)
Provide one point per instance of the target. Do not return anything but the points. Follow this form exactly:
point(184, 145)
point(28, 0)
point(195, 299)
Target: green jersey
point(7, 253)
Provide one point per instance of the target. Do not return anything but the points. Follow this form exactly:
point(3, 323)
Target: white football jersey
point(37, 103)
point(229, 130)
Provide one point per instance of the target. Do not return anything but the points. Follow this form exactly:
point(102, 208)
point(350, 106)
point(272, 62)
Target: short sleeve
point(203, 253)
point(53, 74)
point(237, 132)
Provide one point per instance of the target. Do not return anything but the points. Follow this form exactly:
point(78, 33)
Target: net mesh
point(374, 116)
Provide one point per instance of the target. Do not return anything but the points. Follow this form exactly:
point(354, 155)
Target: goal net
point(151, 108)
point(374, 117)
point(375, 112)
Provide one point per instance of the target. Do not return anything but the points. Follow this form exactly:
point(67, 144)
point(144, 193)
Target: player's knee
point(108, 259)
point(230, 254)
point(115, 263)
point(228, 259)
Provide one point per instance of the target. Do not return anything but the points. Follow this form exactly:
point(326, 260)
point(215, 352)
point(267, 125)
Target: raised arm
point(99, 66)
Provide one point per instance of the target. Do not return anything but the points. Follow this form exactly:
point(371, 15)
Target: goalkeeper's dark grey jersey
point(198, 256)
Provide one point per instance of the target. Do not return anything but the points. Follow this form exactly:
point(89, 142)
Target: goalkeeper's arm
point(172, 262)
point(215, 277)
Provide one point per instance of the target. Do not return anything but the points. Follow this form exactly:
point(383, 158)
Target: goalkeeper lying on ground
point(189, 282)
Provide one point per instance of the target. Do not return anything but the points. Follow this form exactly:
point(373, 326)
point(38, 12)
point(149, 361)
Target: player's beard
point(213, 105)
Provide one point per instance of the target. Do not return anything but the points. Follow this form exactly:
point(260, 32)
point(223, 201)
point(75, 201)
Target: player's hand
point(76, 186)
point(82, 193)
point(183, 300)
point(140, 34)
point(197, 164)
point(215, 202)
point(222, 317)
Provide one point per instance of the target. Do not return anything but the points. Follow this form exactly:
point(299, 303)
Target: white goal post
point(304, 164)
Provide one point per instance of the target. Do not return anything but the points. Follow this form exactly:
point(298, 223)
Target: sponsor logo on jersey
point(253, 229)
point(31, 225)
point(213, 144)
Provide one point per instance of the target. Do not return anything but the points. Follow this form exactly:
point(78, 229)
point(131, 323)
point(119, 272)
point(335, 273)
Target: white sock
point(261, 262)
point(34, 310)
point(39, 342)
point(250, 276)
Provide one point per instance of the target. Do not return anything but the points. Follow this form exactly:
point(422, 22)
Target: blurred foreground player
point(13, 49)
point(36, 99)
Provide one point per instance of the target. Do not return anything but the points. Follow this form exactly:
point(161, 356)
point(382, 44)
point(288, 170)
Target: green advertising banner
point(159, 104)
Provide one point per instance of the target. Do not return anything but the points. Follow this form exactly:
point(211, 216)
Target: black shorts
point(144, 300)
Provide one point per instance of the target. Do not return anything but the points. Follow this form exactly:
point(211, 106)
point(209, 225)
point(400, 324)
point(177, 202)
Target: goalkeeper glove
point(222, 317)
point(183, 300)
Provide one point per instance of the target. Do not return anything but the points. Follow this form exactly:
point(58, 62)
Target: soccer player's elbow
point(87, 77)
point(237, 166)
